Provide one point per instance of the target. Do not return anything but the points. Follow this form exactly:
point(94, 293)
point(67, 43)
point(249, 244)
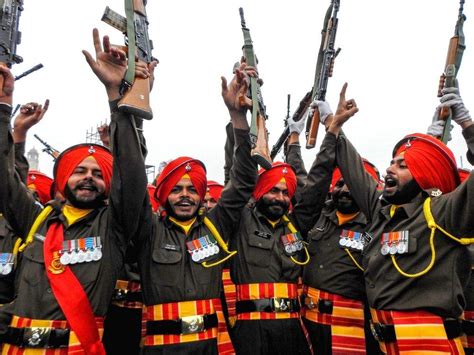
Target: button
point(321, 266)
point(371, 285)
point(49, 290)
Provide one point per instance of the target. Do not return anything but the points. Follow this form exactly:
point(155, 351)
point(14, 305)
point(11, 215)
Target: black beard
point(98, 202)
point(264, 207)
point(346, 207)
point(404, 195)
point(170, 211)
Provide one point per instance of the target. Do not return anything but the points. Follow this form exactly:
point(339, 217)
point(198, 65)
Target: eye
point(285, 192)
point(192, 189)
point(175, 189)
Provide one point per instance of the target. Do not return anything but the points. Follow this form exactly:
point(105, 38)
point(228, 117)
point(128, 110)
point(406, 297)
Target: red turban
point(41, 183)
point(430, 161)
point(69, 159)
point(369, 167)
point(267, 179)
point(463, 174)
point(153, 200)
point(214, 189)
point(174, 171)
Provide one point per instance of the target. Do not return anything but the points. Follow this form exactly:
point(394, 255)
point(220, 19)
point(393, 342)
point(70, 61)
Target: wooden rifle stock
point(136, 100)
point(313, 130)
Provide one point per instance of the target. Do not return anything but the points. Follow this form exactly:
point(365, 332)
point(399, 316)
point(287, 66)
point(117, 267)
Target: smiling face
point(275, 203)
point(86, 187)
point(400, 186)
point(183, 200)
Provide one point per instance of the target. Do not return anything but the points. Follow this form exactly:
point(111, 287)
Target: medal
point(74, 258)
point(88, 256)
point(401, 248)
point(97, 254)
point(288, 249)
point(393, 249)
point(65, 258)
point(342, 242)
point(385, 249)
point(2, 267)
point(7, 269)
point(81, 256)
point(195, 256)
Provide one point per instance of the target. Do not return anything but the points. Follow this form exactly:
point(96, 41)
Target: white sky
point(392, 55)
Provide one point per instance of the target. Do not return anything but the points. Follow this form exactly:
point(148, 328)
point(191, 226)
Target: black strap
point(453, 328)
point(156, 327)
point(37, 337)
point(267, 305)
point(126, 295)
point(468, 327)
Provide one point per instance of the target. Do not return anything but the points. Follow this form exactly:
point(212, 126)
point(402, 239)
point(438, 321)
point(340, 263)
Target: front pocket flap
point(164, 255)
point(261, 242)
point(34, 252)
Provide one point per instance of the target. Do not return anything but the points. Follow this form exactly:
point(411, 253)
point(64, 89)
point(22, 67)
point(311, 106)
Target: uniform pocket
point(260, 250)
point(165, 263)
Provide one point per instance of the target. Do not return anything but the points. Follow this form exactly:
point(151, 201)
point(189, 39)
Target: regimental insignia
point(83, 250)
point(394, 243)
point(56, 267)
point(292, 243)
point(284, 170)
point(203, 248)
point(7, 261)
point(188, 167)
point(436, 193)
point(352, 240)
point(91, 150)
point(32, 177)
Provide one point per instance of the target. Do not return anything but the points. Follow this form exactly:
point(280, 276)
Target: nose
point(280, 196)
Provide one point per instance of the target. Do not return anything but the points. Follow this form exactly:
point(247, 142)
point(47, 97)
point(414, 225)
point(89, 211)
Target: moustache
point(86, 184)
point(185, 200)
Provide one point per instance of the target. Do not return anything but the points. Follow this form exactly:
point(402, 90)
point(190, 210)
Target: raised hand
point(6, 85)
point(30, 114)
point(345, 110)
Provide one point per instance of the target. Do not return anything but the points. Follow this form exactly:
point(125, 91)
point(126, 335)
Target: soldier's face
point(86, 185)
point(209, 201)
point(275, 203)
point(343, 199)
point(184, 200)
point(399, 187)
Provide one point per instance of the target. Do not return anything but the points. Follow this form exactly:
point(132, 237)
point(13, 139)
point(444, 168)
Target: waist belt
point(37, 337)
point(275, 304)
point(386, 332)
point(322, 305)
point(184, 325)
point(468, 327)
point(121, 295)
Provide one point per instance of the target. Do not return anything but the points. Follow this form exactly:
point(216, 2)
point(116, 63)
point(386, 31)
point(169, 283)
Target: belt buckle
point(120, 294)
point(308, 302)
point(192, 324)
point(325, 306)
point(36, 337)
point(281, 304)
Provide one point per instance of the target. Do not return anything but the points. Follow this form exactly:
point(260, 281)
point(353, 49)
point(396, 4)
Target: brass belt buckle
point(36, 337)
point(120, 294)
point(308, 302)
point(375, 329)
point(192, 324)
point(281, 304)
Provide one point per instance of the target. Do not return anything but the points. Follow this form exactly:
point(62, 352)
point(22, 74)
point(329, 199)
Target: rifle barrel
point(29, 71)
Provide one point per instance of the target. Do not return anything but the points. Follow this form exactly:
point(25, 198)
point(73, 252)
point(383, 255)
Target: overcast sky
point(392, 55)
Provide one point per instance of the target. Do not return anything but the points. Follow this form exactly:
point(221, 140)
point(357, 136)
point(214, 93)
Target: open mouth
point(390, 182)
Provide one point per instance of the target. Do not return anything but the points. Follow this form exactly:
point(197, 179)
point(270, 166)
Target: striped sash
point(74, 347)
point(417, 332)
point(259, 291)
point(230, 294)
point(175, 311)
point(468, 340)
point(346, 320)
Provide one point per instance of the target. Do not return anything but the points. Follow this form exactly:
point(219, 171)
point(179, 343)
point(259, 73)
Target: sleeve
point(362, 186)
point(468, 134)
point(294, 158)
point(315, 191)
point(21, 163)
point(128, 192)
point(237, 192)
point(228, 151)
point(16, 203)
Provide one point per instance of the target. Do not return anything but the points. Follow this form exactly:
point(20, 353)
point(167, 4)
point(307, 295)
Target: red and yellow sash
point(346, 320)
point(70, 294)
point(417, 332)
point(175, 311)
point(74, 347)
point(230, 294)
point(468, 340)
point(259, 291)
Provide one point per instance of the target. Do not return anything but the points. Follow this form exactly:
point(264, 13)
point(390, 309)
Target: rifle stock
point(313, 130)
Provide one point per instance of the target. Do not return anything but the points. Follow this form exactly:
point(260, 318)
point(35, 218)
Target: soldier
point(213, 193)
point(181, 256)
point(74, 251)
point(414, 259)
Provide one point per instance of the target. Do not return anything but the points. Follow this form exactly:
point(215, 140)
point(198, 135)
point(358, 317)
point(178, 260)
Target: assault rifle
point(135, 91)
point(324, 69)
point(253, 99)
point(297, 115)
point(10, 36)
point(47, 148)
point(453, 62)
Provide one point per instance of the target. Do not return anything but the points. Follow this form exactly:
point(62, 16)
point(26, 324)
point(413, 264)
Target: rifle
point(135, 91)
point(453, 62)
point(10, 36)
point(253, 99)
point(29, 71)
point(297, 115)
point(324, 68)
point(47, 148)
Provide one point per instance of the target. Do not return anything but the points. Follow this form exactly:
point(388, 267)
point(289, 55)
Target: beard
point(404, 194)
point(344, 203)
point(273, 210)
point(97, 202)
